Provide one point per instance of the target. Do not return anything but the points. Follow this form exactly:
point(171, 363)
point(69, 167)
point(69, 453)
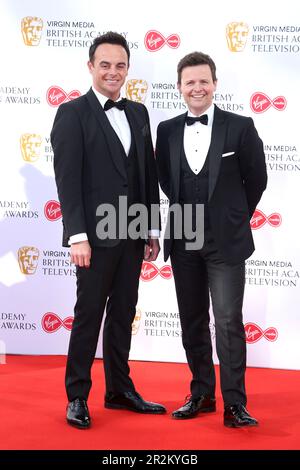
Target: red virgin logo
point(52, 322)
point(254, 333)
point(154, 41)
point(52, 211)
point(150, 271)
point(260, 102)
point(259, 219)
point(56, 96)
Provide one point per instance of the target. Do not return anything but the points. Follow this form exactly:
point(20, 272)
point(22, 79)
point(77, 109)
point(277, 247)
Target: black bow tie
point(118, 104)
point(191, 120)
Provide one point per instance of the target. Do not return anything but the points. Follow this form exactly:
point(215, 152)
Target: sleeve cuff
point(154, 233)
point(79, 237)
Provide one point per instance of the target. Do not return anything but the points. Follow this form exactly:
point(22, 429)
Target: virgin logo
point(56, 96)
point(52, 211)
point(259, 219)
point(154, 41)
point(260, 102)
point(150, 271)
point(52, 322)
point(254, 333)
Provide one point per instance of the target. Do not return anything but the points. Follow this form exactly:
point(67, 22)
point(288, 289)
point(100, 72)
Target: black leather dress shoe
point(132, 401)
point(78, 414)
point(236, 416)
point(194, 406)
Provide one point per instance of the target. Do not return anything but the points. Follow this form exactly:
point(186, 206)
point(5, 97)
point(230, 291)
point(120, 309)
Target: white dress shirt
point(118, 121)
point(196, 141)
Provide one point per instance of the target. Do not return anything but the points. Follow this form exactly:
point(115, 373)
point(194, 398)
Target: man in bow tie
point(215, 160)
point(103, 151)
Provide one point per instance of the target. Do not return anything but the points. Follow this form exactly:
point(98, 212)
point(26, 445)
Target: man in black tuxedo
point(212, 158)
point(103, 151)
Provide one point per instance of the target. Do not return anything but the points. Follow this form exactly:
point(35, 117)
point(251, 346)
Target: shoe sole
point(113, 406)
point(234, 425)
point(204, 410)
point(78, 426)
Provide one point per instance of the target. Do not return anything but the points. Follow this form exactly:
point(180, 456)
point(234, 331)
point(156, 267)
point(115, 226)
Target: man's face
point(197, 88)
point(109, 69)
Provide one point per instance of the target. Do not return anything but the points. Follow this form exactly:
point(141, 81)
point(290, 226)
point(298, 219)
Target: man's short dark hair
point(196, 58)
point(109, 38)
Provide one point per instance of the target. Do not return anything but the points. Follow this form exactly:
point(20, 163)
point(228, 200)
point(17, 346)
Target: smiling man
point(212, 158)
point(102, 152)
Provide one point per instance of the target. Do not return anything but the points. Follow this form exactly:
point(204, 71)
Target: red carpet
point(33, 410)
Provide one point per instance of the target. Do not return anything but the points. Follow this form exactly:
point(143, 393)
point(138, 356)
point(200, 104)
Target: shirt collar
point(102, 98)
point(209, 112)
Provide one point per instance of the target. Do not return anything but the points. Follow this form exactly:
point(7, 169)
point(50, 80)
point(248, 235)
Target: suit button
point(125, 185)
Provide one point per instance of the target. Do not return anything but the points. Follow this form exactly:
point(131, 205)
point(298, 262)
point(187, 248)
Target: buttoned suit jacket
point(237, 179)
point(89, 164)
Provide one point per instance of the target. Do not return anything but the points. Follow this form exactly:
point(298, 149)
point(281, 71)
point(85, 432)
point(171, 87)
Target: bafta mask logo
point(32, 27)
point(136, 90)
point(28, 257)
point(136, 322)
point(236, 35)
point(30, 147)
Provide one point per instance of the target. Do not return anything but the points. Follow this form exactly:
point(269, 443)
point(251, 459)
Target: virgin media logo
point(52, 322)
point(260, 102)
point(259, 219)
point(56, 96)
point(150, 271)
point(52, 211)
point(154, 41)
point(254, 333)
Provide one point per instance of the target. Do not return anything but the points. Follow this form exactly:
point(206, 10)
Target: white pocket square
point(227, 154)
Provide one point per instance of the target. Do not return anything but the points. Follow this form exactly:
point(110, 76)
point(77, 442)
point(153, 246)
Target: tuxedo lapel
point(110, 135)
point(216, 148)
point(176, 146)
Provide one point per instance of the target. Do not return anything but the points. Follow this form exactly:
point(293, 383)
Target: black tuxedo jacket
point(89, 163)
point(236, 181)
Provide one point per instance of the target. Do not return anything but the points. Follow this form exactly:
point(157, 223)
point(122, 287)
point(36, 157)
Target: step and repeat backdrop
point(44, 53)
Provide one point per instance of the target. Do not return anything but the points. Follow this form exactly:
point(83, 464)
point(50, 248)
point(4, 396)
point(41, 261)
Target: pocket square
point(227, 154)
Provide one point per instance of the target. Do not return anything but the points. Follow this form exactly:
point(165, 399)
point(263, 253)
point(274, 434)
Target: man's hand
point(81, 254)
point(151, 251)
